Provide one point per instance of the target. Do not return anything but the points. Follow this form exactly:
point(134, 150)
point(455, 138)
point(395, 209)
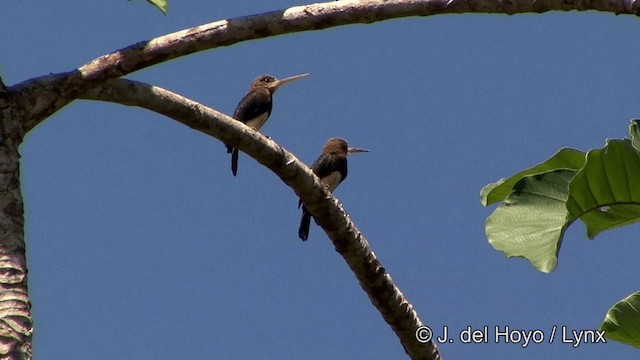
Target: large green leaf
point(622, 322)
point(605, 194)
point(566, 158)
point(531, 220)
point(602, 189)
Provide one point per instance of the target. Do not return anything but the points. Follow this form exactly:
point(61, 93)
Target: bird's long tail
point(234, 161)
point(303, 231)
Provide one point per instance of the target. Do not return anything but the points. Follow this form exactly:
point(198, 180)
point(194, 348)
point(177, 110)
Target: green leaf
point(566, 158)
point(163, 5)
point(622, 322)
point(531, 220)
point(605, 194)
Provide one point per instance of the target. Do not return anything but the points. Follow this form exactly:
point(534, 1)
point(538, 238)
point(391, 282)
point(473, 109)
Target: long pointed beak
point(281, 82)
point(356, 150)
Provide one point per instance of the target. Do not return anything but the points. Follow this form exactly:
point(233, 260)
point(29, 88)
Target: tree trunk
point(16, 324)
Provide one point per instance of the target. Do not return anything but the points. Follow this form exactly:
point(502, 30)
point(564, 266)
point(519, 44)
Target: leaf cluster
point(600, 188)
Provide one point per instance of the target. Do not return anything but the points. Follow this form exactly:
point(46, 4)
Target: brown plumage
point(331, 168)
point(255, 107)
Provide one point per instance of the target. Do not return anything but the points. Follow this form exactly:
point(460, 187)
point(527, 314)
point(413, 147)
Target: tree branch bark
point(347, 239)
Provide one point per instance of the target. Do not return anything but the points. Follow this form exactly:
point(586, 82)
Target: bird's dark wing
point(322, 166)
point(253, 110)
point(257, 102)
point(331, 169)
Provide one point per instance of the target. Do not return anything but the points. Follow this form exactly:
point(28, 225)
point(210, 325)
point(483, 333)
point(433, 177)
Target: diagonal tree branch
point(347, 239)
point(57, 90)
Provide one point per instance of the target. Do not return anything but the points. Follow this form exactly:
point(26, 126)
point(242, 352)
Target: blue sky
point(142, 245)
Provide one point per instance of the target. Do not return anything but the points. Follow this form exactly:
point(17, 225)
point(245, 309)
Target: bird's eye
point(266, 80)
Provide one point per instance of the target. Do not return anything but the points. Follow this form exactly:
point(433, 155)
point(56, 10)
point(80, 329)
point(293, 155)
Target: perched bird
point(331, 168)
point(255, 107)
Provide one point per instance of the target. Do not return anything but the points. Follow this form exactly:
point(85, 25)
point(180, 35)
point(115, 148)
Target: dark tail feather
point(303, 231)
point(234, 162)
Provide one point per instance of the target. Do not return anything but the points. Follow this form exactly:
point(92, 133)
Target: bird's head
point(340, 146)
point(271, 83)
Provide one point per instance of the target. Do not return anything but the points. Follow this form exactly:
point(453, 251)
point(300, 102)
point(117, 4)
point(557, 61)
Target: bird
point(331, 168)
point(255, 107)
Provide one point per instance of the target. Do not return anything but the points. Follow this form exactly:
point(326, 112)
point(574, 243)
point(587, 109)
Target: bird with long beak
point(331, 168)
point(255, 107)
